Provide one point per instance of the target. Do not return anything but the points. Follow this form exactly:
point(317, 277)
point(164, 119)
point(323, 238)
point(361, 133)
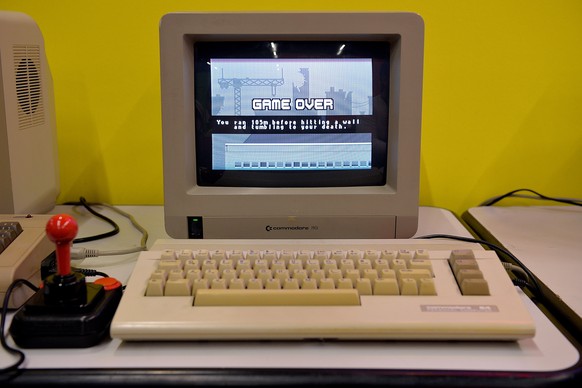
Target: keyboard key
point(155, 287)
point(475, 287)
point(170, 264)
point(386, 286)
point(178, 287)
point(408, 287)
point(278, 297)
point(364, 286)
point(469, 274)
point(426, 286)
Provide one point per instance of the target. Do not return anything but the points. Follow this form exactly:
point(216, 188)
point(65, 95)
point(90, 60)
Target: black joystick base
point(55, 317)
point(67, 312)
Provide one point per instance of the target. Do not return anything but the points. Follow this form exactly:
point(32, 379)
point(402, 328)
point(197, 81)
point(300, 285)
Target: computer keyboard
point(23, 246)
point(320, 289)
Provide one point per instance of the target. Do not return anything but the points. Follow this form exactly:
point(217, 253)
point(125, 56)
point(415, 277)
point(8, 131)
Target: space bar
point(317, 297)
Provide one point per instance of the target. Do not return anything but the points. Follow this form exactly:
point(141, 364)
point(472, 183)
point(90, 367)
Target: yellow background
point(502, 94)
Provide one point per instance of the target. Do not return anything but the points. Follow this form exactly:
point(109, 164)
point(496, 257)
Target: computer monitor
point(291, 125)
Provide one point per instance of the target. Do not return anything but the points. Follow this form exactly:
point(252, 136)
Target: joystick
point(67, 311)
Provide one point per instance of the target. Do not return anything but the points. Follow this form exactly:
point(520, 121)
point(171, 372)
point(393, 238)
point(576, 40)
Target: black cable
point(5, 345)
point(49, 267)
point(86, 205)
point(90, 272)
point(534, 286)
point(568, 201)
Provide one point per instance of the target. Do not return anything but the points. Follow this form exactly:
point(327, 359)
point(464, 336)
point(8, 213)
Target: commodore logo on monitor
point(270, 228)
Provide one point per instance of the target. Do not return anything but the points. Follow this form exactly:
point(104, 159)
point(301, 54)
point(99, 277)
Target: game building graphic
point(293, 87)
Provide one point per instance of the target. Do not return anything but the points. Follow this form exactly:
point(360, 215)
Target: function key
point(11, 225)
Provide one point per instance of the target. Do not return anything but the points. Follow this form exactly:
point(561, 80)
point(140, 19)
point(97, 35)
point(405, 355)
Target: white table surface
point(547, 239)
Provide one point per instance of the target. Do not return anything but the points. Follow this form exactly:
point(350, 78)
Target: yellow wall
point(502, 94)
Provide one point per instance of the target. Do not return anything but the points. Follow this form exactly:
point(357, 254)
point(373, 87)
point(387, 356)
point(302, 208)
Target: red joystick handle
point(62, 229)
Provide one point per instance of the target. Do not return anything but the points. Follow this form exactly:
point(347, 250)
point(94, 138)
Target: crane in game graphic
point(238, 83)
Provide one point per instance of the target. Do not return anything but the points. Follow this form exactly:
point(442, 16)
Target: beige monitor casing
point(29, 174)
point(388, 211)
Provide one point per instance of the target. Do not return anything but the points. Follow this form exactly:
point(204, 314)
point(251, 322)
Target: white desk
point(547, 355)
point(547, 239)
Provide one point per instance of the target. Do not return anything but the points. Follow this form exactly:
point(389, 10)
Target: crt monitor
point(291, 125)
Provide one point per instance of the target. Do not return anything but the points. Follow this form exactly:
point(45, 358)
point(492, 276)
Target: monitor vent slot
point(27, 70)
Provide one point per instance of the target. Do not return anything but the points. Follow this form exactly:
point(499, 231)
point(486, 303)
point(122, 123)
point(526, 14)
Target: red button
point(108, 283)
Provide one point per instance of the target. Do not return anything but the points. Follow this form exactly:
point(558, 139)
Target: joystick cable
point(83, 202)
point(79, 253)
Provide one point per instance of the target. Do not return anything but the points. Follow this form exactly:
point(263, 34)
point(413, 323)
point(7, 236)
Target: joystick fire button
point(108, 283)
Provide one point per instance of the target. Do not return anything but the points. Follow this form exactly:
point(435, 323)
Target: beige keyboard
point(319, 289)
point(23, 246)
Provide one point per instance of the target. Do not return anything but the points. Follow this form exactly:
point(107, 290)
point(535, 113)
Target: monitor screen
point(291, 113)
point(291, 125)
